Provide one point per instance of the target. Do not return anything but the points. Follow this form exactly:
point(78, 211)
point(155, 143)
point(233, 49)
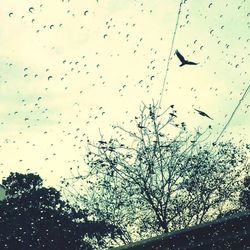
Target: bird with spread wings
point(183, 60)
point(203, 114)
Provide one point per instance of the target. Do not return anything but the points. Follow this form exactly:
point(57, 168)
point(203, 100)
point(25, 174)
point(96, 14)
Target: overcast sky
point(69, 68)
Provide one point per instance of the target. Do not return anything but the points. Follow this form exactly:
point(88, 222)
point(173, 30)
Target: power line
point(170, 53)
point(233, 113)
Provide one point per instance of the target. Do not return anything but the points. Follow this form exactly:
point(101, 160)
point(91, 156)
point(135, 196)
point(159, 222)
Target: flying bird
point(183, 60)
point(203, 114)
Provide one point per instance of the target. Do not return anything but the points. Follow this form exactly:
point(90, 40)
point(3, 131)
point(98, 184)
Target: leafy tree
point(35, 217)
point(245, 194)
point(160, 184)
point(244, 200)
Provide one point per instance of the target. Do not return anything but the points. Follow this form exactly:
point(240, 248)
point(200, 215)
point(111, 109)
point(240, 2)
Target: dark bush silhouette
point(35, 217)
point(245, 194)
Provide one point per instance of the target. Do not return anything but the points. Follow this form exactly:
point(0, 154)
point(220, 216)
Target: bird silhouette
point(140, 126)
point(183, 60)
point(203, 114)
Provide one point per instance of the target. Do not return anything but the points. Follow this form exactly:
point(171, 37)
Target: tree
point(35, 217)
point(244, 200)
point(245, 194)
point(159, 183)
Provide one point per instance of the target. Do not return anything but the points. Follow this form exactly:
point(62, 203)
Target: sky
point(71, 69)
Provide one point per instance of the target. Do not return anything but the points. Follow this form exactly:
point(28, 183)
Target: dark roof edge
point(160, 238)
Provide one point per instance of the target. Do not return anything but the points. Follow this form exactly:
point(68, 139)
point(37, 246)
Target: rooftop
point(232, 232)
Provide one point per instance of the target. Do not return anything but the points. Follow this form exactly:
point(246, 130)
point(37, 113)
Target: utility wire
point(170, 53)
point(166, 74)
point(233, 113)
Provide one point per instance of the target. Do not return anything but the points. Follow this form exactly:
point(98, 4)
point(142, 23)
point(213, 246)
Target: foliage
point(161, 184)
point(35, 217)
point(245, 194)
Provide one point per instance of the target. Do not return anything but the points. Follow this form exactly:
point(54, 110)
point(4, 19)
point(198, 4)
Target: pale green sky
point(88, 71)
